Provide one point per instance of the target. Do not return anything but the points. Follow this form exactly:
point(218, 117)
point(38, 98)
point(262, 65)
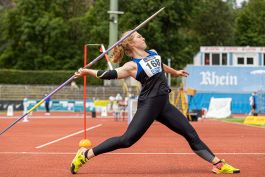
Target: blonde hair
point(121, 49)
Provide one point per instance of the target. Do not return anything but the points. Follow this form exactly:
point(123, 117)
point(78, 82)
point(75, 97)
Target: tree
point(164, 32)
point(50, 34)
point(95, 29)
point(212, 23)
point(41, 35)
point(250, 24)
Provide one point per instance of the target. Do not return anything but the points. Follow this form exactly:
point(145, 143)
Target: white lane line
point(81, 131)
point(134, 153)
point(188, 153)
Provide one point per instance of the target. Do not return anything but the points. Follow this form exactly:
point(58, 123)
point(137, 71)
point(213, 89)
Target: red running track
point(159, 153)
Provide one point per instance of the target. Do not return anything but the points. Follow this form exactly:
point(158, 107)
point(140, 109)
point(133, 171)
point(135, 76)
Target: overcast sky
point(239, 2)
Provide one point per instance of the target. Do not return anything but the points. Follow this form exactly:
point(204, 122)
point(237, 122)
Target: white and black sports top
point(150, 73)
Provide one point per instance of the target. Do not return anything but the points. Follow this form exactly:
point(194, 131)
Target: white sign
point(211, 78)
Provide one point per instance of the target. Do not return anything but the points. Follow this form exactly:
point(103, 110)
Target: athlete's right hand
point(80, 73)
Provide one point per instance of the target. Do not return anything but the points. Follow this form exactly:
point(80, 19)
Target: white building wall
point(236, 56)
point(197, 59)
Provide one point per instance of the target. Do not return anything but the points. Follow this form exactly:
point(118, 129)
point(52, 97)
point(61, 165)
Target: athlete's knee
point(126, 141)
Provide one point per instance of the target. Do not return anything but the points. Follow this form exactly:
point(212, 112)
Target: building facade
point(228, 72)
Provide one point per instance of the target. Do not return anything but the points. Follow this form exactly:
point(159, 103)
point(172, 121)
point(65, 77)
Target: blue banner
point(225, 79)
point(63, 105)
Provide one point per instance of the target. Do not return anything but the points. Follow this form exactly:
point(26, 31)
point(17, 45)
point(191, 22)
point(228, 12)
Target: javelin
point(88, 65)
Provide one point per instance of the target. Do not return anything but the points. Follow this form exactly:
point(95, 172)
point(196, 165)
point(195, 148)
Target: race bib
point(151, 65)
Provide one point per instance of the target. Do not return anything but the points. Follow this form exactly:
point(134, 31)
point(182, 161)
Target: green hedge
point(47, 77)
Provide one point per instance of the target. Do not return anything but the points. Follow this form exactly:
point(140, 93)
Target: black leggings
point(151, 109)
point(47, 106)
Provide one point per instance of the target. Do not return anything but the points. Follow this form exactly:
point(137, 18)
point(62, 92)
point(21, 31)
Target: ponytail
point(117, 54)
point(121, 49)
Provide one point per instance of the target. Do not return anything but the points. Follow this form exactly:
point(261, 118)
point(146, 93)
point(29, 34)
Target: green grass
point(237, 120)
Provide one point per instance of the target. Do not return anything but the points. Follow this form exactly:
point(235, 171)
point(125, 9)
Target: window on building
point(206, 59)
point(224, 59)
point(250, 61)
point(264, 59)
point(215, 59)
point(240, 61)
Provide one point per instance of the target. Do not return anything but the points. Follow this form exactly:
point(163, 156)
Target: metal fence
point(19, 92)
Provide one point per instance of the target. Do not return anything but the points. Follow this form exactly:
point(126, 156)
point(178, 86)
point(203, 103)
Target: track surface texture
point(45, 147)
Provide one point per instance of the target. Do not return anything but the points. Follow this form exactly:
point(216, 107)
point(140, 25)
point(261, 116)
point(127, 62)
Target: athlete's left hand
point(182, 73)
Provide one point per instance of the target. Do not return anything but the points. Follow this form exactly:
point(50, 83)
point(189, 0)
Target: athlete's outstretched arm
point(174, 72)
point(128, 69)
